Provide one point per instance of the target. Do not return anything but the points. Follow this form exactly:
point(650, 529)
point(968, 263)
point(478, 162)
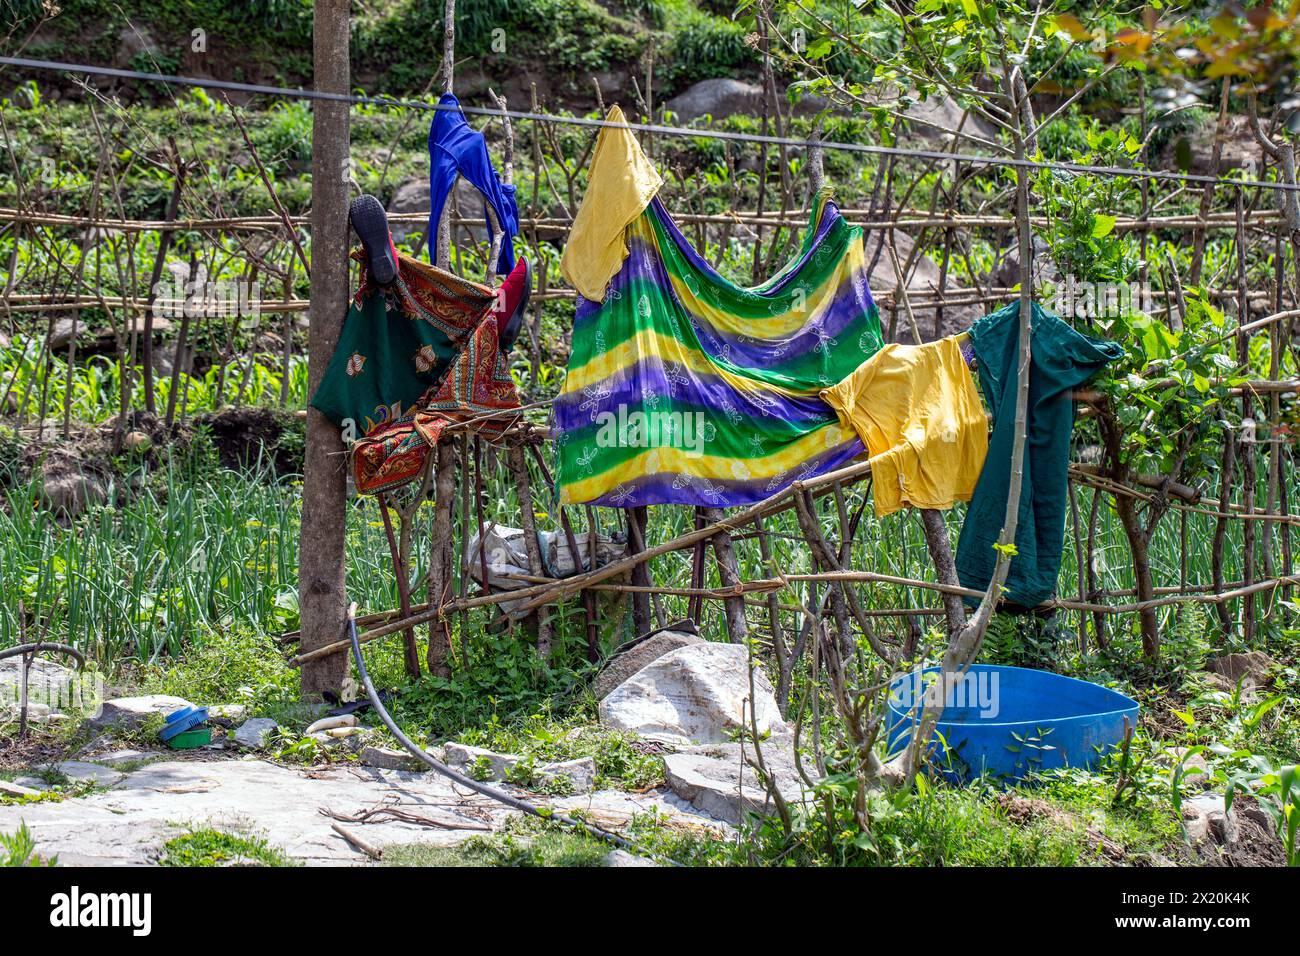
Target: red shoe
point(511, 302)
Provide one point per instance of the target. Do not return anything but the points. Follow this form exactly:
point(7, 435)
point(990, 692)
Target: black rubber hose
point(44, 646)
point(456, 776)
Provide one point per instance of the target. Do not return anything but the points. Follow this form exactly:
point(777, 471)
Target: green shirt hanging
point(1061, 360)
point(396, 343)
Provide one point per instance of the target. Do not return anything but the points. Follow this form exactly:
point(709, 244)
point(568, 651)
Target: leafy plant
point(205, 846)
point(19, 849)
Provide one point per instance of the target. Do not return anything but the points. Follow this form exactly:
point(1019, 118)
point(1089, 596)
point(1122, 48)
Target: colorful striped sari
point(685, 388)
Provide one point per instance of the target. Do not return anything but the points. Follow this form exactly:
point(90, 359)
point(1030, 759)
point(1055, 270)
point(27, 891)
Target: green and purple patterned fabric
point(685, 388)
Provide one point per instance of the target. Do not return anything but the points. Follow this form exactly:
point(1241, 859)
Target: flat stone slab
point(117, 758)
point(384, 758)
point(127, 825)
point(79, 771)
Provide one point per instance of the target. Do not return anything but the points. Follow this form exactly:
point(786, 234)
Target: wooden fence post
point(321, 564)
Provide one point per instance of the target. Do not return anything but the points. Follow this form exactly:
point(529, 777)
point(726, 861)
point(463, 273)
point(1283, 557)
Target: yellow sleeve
point(621, 181)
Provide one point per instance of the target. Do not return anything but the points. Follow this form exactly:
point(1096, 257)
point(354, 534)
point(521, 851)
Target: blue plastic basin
point(1008, 722)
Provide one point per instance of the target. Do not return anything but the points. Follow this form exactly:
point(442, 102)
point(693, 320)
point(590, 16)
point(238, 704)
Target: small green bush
point(208, 847)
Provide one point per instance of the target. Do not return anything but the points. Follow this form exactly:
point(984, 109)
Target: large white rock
point(128, 713)
point(631, 658)
point(695, 694)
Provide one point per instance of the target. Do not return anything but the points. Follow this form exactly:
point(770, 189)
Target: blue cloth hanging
point(456, 148)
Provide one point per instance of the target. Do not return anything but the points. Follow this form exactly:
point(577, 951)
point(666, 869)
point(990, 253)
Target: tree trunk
point(1139, 548)
point(164, 243)
point(1227, 471)
point(940, 547)
point(637, 519)
point(321, 581)
point(729, 576)
point(441, 558)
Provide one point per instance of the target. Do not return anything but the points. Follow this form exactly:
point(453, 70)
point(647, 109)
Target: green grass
point(19, 849)
point(92, 393)
point(235, 666)
point(546, 848)
point(208, 847)
point(622, 762)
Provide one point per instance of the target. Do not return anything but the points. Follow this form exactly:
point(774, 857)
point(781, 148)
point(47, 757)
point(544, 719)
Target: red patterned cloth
point(477, 388)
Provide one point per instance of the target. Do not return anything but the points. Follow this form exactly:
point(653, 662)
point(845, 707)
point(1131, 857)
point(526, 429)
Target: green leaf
point(1102, 225)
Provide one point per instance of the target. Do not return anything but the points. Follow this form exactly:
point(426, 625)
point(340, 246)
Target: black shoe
point(370, 223)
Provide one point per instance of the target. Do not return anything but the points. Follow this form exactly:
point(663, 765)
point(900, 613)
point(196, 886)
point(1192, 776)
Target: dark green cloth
point(395, 345)
point(1061, 360)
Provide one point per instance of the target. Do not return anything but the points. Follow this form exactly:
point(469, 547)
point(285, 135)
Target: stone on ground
point(490, 766)
point(71, 491)
point(255, 734)
point(47, 682)
point(383, 758)
point(79, 771)
point(1253, 665)
point(129, 713)
point(1195, 769)
point(695, 694)
point(719, 97)
point(487, 764)
point(581, 773)
point(623, 858)
point(8, 789)
point(635, 655)
point(228, 711)
point(712, 779)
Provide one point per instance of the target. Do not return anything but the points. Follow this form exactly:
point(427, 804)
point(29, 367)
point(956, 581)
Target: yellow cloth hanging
point(918, 412)
point(620, 184)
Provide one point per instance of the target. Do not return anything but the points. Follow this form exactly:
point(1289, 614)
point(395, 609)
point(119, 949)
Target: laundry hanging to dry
point(412, 357)
point(396, 343)
point(1061, 359)
point(918, 412)
point(684, 387)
